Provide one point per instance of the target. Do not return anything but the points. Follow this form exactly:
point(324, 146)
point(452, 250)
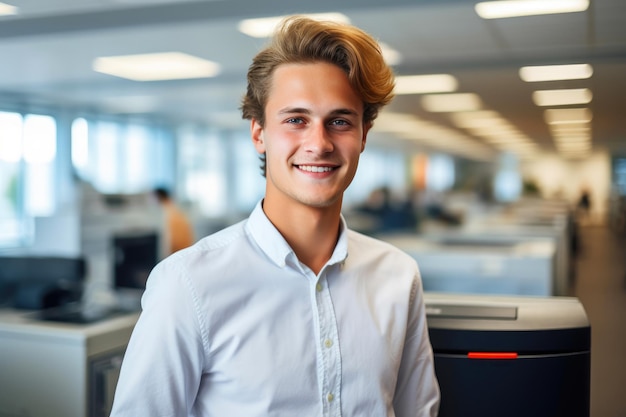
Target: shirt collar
point(276, 247)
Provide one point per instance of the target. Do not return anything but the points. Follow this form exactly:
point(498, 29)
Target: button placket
point(329, 349)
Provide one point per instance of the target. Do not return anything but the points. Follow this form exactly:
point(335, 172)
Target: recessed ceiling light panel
point(7, 9)
point(156, 67)
point(264, 27)
point(555, 72)
point(451, 102)
point(562, 97)
point(423, 84)
point(567, 116)
point(516, 8)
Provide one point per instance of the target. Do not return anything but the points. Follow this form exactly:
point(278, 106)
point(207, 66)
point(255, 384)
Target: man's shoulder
point(369, 241)
point(209, 257)
point(375, 246)
point(223, 237)
point(212, 244)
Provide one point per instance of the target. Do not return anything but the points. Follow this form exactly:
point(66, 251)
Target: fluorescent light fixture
point(504, 136)
point(581, 146)
point(522, 147)
point(400, 123)
point(422, 84)
point(571, 128)
point(451, 102)
point(7, 9)
point(562, 97)
point(264, 27)
point(478, 119)
point(571, 136)
point(516, 8)
point(573, 142)
point(408, 127)
point(567, 116)
point(575, 136)
point(574, 153)
point(499, 140)
point(156, 67)
point(555, 72)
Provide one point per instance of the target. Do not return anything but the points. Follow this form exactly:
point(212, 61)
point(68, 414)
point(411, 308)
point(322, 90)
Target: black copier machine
point(510, 356)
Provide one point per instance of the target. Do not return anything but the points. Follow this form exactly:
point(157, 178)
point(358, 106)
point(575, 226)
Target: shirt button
point(318, 287)
point(330, 397)
point(328, 343)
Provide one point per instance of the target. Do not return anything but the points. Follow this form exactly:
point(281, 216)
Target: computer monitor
point(35, 282)
point(135, 254)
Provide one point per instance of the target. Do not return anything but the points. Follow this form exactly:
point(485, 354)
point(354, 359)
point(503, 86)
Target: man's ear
point(366, 129)
point(256, 133)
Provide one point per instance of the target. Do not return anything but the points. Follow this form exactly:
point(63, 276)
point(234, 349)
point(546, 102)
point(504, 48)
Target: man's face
point(313, 135)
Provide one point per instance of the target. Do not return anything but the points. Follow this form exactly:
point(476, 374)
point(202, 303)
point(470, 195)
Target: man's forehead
point(292, 83)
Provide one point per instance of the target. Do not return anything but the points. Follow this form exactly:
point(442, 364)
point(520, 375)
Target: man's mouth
point(315, 168)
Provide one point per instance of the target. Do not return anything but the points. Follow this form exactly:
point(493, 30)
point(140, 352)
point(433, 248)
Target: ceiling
point(46, 53)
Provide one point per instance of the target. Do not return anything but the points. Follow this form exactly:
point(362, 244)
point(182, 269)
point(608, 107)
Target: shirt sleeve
point(163, 364)
point(417, 390)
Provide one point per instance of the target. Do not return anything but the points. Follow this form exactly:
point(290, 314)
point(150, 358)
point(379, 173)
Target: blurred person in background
point(584, 204)
point(179, 233)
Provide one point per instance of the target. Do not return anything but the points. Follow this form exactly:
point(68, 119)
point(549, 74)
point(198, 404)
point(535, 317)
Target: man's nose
point(318, 139)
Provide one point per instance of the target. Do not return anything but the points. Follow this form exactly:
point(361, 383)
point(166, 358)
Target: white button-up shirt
point(236, 326)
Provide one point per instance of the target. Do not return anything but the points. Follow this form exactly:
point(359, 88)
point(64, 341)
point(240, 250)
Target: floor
point(600, 284)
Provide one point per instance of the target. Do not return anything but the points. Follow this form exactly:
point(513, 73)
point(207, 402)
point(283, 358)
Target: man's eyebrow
point(294, 110)
point(302, 110)
point(347, 112)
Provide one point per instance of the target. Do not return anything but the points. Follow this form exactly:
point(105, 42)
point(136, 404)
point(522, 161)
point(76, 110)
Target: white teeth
point(311, 168)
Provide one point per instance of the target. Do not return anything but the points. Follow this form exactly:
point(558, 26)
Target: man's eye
point(294, 120)
point(340, 122)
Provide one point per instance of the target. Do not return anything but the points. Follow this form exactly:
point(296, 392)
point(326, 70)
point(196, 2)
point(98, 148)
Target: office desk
point(53, 369)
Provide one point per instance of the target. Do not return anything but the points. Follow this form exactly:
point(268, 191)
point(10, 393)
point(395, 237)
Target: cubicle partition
point(522, 249)
point(558, 227)
point(523, 266)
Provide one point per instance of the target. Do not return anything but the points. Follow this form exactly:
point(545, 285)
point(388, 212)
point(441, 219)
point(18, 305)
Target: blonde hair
point(302, 40)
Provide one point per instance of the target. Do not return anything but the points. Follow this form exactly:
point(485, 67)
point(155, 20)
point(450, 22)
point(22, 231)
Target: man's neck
point(311, 232)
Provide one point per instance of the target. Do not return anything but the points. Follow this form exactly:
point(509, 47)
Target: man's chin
point(322, 203)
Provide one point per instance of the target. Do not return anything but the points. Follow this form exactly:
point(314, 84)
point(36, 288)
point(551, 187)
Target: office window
point(27, 172)
point(11, 178)
point(219, 171)
point(619, 175)
point(122, 158)
point(39, 153)
point(440, 173)
point(248, 180)
point(507, 185)
point(202, 162)
point(80, 147)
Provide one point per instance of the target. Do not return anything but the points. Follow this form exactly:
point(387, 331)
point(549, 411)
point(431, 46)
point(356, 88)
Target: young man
point(290, 313)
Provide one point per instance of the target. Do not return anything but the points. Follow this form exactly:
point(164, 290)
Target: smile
point(313, 168)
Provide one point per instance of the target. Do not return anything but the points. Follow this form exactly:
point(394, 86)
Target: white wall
point(558, 177)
